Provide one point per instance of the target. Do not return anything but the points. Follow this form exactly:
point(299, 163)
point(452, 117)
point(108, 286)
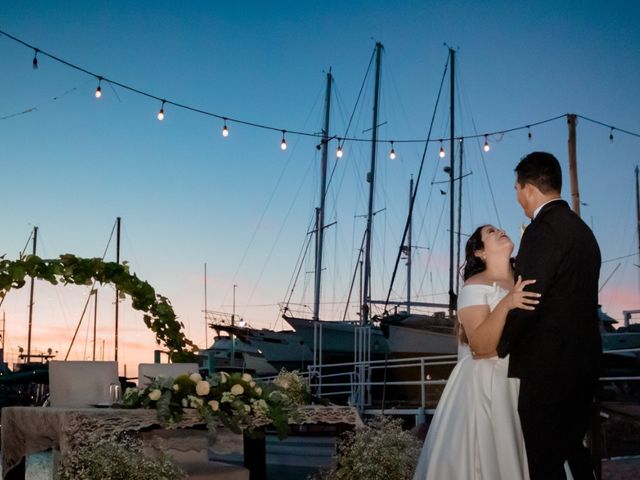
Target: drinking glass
point(114, 393)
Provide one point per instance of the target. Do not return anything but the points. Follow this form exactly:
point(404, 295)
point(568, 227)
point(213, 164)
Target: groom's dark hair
point(542, 170)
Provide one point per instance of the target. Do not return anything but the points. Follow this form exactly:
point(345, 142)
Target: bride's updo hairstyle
point(472, 263)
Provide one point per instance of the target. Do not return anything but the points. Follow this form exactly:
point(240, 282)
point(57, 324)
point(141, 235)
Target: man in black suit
point(554, 350)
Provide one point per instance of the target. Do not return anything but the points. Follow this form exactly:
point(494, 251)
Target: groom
point(555, 349)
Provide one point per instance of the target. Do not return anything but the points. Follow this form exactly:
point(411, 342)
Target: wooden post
point(255, 456)
point(573, 165)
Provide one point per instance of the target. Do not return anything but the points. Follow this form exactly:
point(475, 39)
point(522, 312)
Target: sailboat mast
point(452, 302)
point(638, 207)
point(323, 188)
point(35, 242)
point(365, 313)
point(409, 251)
point(206, 327)
point(117, 293)
point(95, 321)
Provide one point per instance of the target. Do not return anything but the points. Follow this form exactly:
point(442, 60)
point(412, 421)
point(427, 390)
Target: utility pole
point(573, 163)
point(35, 241)
point(117, 293)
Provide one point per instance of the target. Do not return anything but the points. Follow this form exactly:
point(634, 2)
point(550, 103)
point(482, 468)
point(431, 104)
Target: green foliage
point(380, 450)
point(233, 400)
point(115, 458)
point(69, 269)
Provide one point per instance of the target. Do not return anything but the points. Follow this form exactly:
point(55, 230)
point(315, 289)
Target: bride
point(475, 432)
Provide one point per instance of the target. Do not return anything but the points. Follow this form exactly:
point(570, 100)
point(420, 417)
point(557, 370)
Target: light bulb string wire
point(239, 121)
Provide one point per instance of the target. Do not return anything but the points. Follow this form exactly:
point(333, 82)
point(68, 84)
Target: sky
point(70, 163)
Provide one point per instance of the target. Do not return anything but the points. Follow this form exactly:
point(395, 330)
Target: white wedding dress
point(475, 433)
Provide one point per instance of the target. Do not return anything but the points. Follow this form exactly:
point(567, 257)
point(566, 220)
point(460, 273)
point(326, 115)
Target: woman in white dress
point(475, 432)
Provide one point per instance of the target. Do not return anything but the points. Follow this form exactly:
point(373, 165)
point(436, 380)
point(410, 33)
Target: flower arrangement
point(235, 400)
point(113, 458)
point(379, 450)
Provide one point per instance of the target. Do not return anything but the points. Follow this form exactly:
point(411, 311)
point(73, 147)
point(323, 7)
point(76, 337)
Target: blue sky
point(187, 196)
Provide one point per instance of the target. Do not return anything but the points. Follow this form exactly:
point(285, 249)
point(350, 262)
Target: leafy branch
point(69, 269)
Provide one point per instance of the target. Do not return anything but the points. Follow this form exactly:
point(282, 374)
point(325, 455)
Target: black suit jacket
point(560, 340)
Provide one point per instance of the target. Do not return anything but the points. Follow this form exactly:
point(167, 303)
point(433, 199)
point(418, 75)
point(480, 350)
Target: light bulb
point(611, 136)
point(161, 112)
point(441, 154)
point(99, 89)
point(486, 146)
point(529, 133)
point(339, 151)
point(283, 143)
point(392, 153)
point(35, 60)
point(225, 130)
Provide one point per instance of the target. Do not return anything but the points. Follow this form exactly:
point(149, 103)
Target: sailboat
point(28, 383)
point(342, 341)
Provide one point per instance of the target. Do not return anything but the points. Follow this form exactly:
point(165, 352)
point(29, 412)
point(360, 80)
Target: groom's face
point(523, 198)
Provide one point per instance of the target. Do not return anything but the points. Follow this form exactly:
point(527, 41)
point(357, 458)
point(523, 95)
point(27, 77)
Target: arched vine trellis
point(69, 269)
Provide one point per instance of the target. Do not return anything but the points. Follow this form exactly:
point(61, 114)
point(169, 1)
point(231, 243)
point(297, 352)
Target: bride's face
point(496, 242)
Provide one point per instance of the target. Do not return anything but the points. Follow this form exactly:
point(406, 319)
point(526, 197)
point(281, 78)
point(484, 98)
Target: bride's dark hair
point(472, 263)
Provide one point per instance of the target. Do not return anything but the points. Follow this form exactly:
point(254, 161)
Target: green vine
point(69, 269)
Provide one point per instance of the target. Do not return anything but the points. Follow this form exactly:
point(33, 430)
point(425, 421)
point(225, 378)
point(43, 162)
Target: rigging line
point(93, 286)
point(37, 107)
point(20, 256)
point(276, 240)
point(417, 184)
point(431, 251)
point(268, 204)
point(355, 273)
point(482, 156)
point(353, 111)
point(609, 126)
point(620, 258)
point(609, 277)
point(299, 264)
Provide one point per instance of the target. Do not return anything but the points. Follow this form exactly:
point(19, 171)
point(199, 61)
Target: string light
point(99, 89)
point(529, 133)
point(268, 127)
point(225, 130)
point(339, 150)
point(283, 143)
point(486, 146)
point(161, 112)
point(441, 154)
point(392, 153)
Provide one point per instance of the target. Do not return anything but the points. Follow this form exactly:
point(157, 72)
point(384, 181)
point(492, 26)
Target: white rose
point(176, 387)
point(154, 395)
point(223, 377)
point(237, 389)
point(203, 387)
point(185, 403)
point(246, 377)
point(247, 408)
point(258, 391)
point(195, 377)
point(214, 405)
point(252, 384)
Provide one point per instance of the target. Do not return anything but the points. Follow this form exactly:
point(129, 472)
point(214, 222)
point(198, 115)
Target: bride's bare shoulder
point(477, 279)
